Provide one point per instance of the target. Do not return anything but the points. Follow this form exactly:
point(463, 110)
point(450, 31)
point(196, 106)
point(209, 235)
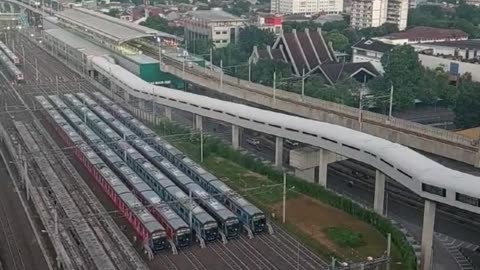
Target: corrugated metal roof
point(77, 42)
point(110, 27)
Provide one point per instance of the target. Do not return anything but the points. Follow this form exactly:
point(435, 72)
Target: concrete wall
point(435, 61)
point(425, 138)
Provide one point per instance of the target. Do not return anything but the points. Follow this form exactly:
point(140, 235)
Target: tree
point(253, 36)
point(161, 24)
point(467, 107)
point(200, 46)
point(239, 8)
point(339, 41)
point(114, 12)
point(262, 72)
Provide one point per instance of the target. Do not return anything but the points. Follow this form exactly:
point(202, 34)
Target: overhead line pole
point(284, 197)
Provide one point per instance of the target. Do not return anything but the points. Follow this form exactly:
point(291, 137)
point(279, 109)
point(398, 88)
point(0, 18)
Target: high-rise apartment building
point(374, 13)
point(306, 6)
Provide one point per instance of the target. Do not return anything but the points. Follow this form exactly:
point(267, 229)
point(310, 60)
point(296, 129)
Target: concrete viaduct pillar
point(306, 159)
point(235, 137)
point(324, 158)
point(378, 201)
point(168, 113)
point(197, 122)
point(278, 151)
point(427, 234)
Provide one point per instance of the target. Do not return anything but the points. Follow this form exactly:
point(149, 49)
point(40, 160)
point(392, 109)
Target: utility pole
point(211, 59)
point(249, 71)
point(201, 144)
point(160, 53)
point(23, 53)
point(191, 207)
point(360, 107)
point(389, 247)
point(36, 70)
point(284, 208)
point(391, 103)
point(303, 83)
point(56, 82)
point(221, 74)
point(274, 87)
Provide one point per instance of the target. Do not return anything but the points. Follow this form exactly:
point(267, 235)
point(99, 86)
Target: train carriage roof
point(234, 196)
point(183, 199)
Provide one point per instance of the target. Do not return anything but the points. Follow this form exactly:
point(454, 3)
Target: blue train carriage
point(177, 230)
point(204, 231)
point(202, 223)
point(229, 223)
point(253, 219)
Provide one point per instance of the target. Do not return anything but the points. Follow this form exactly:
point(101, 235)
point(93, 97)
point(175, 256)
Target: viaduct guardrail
point(421, 137)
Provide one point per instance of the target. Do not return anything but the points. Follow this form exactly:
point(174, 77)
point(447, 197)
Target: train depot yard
point(109, 197)
point(109, 180)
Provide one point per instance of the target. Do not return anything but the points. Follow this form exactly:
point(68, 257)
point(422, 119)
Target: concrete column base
point(427, 234)
point(279, 151)
point(197, 122)
point(324, 158)
point(307, 174)
point(235, 137)
point(168, 113)
point(378, 201)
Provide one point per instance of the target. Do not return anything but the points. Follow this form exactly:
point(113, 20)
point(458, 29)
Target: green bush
point(218, 148)
point(345, 237)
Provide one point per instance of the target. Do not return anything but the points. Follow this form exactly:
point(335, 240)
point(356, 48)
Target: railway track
point(67, 204)
point(237, 254)
point(15, 259)
point(111, 240)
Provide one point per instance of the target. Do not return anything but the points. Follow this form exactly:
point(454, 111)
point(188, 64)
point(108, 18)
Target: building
point(215, 24)
point(454, 57)
point(374, 13)
point(423, 34)
point(306, 6)
point(308, 52)
point(368, 50)
point(269, 22)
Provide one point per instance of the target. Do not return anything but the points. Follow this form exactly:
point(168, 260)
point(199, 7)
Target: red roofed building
point(423, 34)
point(307, 51)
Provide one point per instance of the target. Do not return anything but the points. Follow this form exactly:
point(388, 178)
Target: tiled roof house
point(307, 51)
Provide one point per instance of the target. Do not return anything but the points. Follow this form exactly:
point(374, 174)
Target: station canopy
point(117, 30)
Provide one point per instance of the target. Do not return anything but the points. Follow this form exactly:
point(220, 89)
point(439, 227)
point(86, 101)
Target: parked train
point(228, 221)
point(177, 230)
point(251, 216)
point(204, 225)
point(11, 68)
point(150, 232)
point(9, 54)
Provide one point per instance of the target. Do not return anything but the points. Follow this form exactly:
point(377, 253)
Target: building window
point(361, 52)
point(224, 41)
point(224, 32)
point(217, 33)
point(434, 190)
point(467, 199)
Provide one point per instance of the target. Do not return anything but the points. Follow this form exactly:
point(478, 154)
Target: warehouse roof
point(112, 28)
point(77, 42)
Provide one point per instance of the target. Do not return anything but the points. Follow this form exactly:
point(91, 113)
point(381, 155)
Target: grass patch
point(244, 172)
point(345, 237)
